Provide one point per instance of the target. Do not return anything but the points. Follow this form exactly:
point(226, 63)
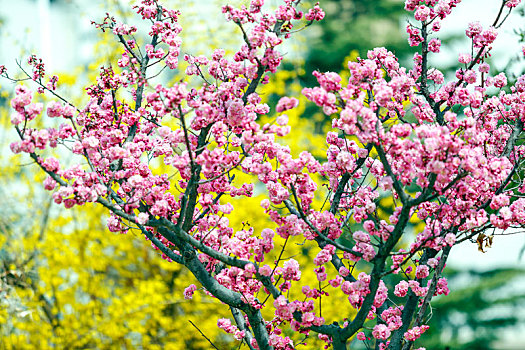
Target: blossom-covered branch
point(174, 160)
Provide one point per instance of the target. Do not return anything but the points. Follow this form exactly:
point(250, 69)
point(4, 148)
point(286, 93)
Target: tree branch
point(241, 324)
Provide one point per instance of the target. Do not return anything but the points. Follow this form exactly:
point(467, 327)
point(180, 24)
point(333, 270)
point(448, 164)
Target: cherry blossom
point(443, 152)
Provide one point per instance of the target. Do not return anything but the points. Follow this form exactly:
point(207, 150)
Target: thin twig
point(205, 337)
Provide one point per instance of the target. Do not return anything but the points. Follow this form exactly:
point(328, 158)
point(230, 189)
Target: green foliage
point(356, 25)
point(479, 307)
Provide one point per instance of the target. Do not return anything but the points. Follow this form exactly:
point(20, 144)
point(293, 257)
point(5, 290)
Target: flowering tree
point(446, 152)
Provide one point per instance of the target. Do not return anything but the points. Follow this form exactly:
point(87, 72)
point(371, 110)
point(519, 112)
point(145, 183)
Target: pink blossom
point(49, 183)
point(282, 120)
point(434, 45)
point(188, 291)
point(54, 109)
point(291, 270)
point(500, 80)
point(142, 218)
point(465, 58)
point(315, 13)
point(450, 239)
point(343, 271)
point(381, 331)
point(422, 271)
point(17, 118)
point(432, 262)
point(401, 289)
point(442, 287)
point(324, 255)
point(422, 13)
point(265, 270)
point(286, 103)
point(484, 68)
point(512, 3)
point(414, 333)
point(473, 29)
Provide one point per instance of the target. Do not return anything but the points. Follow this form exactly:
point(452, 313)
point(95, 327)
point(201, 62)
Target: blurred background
point(66, 282)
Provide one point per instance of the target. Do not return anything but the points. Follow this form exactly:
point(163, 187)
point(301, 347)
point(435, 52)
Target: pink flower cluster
point(227, 326)
point(414, 333)
point(405, 145)
point(188, 291)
